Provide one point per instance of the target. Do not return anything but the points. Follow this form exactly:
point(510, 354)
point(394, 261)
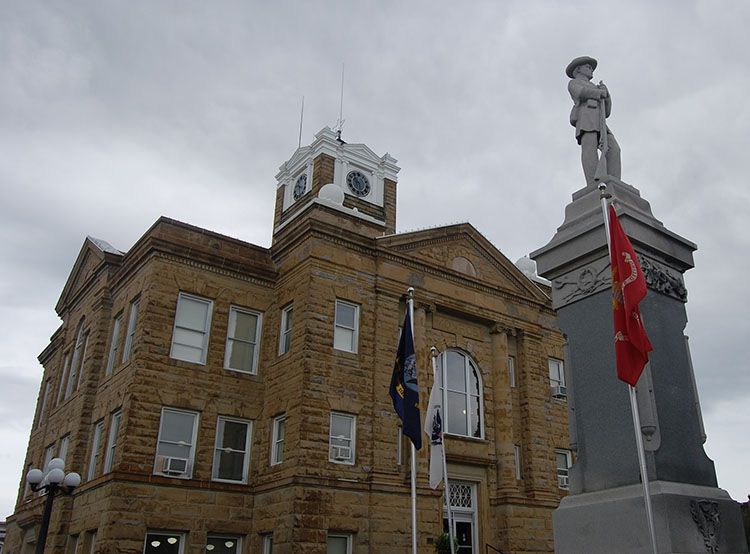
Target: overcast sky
point(115, 113)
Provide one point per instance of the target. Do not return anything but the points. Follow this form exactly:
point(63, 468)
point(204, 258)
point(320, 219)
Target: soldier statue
point(592, 104)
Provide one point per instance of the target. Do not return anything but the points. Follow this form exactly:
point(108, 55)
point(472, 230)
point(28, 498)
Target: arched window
point(461, 387)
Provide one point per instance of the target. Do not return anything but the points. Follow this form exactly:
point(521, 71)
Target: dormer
point(363, 182)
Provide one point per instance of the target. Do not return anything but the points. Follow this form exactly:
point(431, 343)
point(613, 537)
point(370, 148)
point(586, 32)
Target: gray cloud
point(194, 106)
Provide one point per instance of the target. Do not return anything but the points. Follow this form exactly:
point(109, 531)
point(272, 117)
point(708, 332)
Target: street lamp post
point(52, 482)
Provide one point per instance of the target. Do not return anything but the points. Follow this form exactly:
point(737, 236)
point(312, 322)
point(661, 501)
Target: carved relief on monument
point(661, 279)
point(582, 282)
point(706, 517)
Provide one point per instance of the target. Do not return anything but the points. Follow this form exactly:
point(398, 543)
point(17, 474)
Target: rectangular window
point(49, 453)
point(63, 379)
point(114, 431)
point(285, 336)
point(72, 544)
point(346, 326)
point(557, 378)
point(45, 399)
point(232, 450)
point(277, 439)
point(268, 543)
point(224, 544)
point(241, 352)
point(564, 460)
point(114, 345)
point(339, 543)
point(517, 460)
point(342, 438)
point(192, 322)
point(89, 542)
point(95, 442)
point(512, 371)
point(164, 542)
point(62, 453)
point(76, 364)
point(175, 449)
point(130, 333)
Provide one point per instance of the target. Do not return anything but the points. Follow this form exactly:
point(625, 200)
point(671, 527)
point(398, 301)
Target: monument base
point(688, 519)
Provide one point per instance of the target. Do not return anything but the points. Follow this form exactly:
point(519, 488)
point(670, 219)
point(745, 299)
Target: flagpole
point(410, 307)
point(604, 195)
point(446, 492)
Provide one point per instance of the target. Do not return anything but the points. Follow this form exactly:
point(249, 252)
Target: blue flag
point(404, 389)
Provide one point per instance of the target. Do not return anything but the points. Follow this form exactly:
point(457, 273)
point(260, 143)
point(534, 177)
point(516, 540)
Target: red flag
point(628, 289)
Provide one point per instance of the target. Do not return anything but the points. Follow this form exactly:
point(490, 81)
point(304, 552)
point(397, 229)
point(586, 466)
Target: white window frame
point(557, 366)
point(517, 461)
point(115, 420)
point(114, 346)
point(49, 454)
point(76, 365)
point(563, 474)
point(206, 332)
point(45, 399)
point(512, 371)
point(338, 535)
point(217, 448)
point(89, 541)
point(339, 328)
point(63, 378)
point(285, 332)
point(96, 440)
point(277, 444)
point(352, 439)
point(179, 535)
point(443, 379)
point(268, 543)
point(62, 451)
point(233, 311)
point(130, 334)
point(191, 455)
point(220, 536)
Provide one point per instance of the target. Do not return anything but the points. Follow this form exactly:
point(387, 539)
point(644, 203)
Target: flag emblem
point(628, 289)
point(404, 388)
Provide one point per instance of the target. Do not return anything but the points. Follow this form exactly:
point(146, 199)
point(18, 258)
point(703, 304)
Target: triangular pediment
point(462, 250)
point(94, 253)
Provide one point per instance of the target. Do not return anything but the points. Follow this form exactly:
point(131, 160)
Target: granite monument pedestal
point(605, 510)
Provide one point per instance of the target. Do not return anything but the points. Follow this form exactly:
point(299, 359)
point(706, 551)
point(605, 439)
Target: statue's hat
point(579, 61)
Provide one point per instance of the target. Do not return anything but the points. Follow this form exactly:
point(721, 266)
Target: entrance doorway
point(463, 502)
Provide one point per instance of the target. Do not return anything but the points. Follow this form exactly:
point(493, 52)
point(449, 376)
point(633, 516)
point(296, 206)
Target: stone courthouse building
point(218, 396)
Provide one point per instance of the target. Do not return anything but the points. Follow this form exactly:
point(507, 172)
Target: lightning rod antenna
point(301, 117)
point(340, 122)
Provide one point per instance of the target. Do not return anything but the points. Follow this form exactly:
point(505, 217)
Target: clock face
point(300, 186)
point(358, 183)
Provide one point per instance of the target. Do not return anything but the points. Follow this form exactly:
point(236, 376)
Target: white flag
point(433, 427)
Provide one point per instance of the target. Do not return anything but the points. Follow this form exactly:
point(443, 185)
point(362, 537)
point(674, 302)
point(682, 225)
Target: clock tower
point(346, 179)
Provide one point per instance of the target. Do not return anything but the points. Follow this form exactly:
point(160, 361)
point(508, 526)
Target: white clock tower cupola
point(353, 179)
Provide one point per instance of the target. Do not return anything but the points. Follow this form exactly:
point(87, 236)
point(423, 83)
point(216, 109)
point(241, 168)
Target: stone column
point(503, 412)
point(605, 512)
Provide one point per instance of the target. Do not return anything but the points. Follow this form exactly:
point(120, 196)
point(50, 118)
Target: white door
point(463, 500)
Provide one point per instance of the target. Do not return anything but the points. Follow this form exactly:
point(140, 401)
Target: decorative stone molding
point(581, 283)
point(661, 279)
point(594, 277)
point(706, 517)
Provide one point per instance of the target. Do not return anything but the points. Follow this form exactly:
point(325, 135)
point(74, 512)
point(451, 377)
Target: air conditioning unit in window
point(341, 453)
point(562, 482)
point(176, 467)
point(560, 391)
